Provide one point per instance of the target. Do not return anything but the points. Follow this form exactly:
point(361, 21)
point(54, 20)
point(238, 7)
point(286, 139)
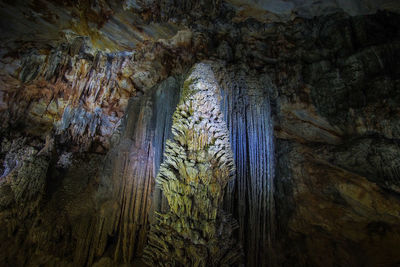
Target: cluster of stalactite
point(125, 193)
point(81, 92)
point(116, 228)
point(246, 106)
point(65, 89)
point(197, 167)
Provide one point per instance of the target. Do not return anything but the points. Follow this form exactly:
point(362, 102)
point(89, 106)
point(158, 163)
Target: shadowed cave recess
point(200, 133)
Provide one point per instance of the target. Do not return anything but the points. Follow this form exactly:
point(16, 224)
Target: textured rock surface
point(197, 167)
point(125, 191)
point(87, 92)
point(247, 110)
point(281, 9)
point(43, 204)
point(82, 93)
point(335, 187)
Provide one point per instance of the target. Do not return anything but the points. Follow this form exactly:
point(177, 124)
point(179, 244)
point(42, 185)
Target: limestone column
point(198, 164)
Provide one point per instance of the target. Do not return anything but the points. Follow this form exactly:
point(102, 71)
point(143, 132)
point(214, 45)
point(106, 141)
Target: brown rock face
point(83, 93)
point(311, 105)
point(334, 183)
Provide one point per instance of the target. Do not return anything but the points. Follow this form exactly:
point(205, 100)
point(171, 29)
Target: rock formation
point(309, 91)
point(197, 167)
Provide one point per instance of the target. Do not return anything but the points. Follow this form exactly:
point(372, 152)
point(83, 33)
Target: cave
point(200, 133)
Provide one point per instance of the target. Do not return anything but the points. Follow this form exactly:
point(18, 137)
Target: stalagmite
point(198, 165)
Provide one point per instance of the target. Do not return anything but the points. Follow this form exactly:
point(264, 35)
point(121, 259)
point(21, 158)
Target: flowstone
point(198, 164)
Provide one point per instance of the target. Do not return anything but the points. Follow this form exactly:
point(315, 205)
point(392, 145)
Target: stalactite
point(166, 101)
point(250, 196)
point(79, 81)
point(198, 164)
point(125, 193)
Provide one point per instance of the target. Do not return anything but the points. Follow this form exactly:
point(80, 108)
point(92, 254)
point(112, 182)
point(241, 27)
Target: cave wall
point(88, 208)
point(335, 115)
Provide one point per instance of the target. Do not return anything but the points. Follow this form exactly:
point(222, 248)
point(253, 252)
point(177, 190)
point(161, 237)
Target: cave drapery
point(255, 185)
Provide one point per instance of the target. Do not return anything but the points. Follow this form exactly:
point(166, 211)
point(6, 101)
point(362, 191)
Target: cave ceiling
point(120, 25)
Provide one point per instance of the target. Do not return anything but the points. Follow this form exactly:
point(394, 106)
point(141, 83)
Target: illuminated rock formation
point(198, 164)
point(246, 106)
point(310, 97)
